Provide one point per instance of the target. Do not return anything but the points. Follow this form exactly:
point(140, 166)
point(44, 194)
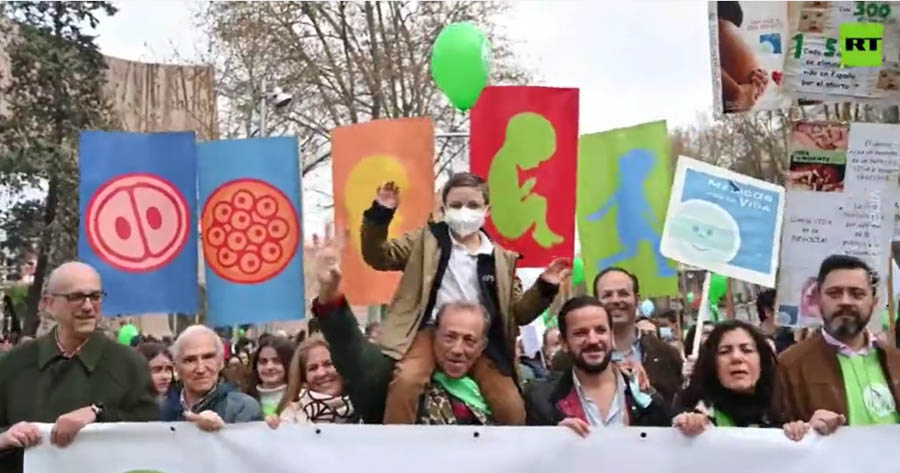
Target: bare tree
point(344, 63)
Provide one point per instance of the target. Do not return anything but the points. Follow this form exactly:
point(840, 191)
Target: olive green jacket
point(38, 385)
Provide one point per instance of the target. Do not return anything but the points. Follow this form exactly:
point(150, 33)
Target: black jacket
point(660, 360)
point(542, 398)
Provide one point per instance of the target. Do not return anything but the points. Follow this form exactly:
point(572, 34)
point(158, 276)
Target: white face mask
point(464, 221)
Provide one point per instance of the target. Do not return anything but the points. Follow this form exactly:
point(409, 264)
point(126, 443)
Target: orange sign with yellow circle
point(365, 156)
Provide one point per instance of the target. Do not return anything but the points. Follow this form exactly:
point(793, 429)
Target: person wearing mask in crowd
point(373, 332)
point(162, 370)
point(666, 321)
point(550, 346)
point(841, 375)
point(619, 291)
point(733, 384)
point(204, 400)
point(315, 392)
point(452, 261)
point(268, 377)
point(594, 393)
point(450, 396)
point(72, 376)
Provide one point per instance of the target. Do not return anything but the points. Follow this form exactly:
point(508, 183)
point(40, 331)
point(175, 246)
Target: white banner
point(182, 448)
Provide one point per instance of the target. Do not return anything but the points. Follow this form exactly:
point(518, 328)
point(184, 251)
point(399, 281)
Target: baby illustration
point(888, 79)
point(812, 21)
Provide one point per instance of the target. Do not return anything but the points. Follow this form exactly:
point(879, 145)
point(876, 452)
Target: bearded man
point(594, 393)
point(842, 375)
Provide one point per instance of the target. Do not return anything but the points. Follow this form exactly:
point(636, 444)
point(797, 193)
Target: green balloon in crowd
point(126, 333)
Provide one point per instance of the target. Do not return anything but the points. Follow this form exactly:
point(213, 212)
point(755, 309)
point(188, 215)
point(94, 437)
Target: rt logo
point(861, 44)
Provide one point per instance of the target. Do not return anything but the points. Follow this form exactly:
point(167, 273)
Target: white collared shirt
point(460, 281)
point(615, 416)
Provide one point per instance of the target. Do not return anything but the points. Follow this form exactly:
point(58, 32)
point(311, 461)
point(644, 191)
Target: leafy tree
point(55, 90)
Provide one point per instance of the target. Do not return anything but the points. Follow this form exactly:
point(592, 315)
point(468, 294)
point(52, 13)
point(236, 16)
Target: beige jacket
point(417, 254)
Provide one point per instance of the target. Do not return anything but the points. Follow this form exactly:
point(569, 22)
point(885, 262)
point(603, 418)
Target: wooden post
point(729, 299)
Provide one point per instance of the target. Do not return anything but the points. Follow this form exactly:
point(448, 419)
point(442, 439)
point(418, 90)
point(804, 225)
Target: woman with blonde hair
point(315, 392)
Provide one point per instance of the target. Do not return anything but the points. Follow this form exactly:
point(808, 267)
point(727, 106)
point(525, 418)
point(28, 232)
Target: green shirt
point(37, 384)
point(869, 399)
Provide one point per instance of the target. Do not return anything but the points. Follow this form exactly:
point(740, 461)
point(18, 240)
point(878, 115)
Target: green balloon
point(126, 333)
point(460, 63)
point(718, 286)
point(577, 271)
point(689, 298)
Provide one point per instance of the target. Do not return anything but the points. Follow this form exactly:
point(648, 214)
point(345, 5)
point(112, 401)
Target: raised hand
point(559, 270)
point(388, 195)
point(328, 262)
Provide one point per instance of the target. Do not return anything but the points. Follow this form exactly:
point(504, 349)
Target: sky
point(633, 61)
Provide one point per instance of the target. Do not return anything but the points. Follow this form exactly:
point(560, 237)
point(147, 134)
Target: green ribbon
point(465, 389)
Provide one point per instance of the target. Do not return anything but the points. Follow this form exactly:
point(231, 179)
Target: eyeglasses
point(79, 297)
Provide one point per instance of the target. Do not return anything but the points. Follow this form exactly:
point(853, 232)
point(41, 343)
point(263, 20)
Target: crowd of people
point(446, 353)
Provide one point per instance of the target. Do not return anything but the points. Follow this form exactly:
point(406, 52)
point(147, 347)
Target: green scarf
point(722, 419)
point(465, 389)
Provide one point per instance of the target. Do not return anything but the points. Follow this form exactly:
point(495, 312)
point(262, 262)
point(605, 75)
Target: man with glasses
point(204, 400)
point(72, 376)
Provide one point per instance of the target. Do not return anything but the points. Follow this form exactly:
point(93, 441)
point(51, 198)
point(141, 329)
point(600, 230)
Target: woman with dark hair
point(268, 372)
point(732, 384)
point(162, 370)
point(315, 392)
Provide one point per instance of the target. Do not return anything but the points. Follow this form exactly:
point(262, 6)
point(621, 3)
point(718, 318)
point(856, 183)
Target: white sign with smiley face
point(724, 222)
